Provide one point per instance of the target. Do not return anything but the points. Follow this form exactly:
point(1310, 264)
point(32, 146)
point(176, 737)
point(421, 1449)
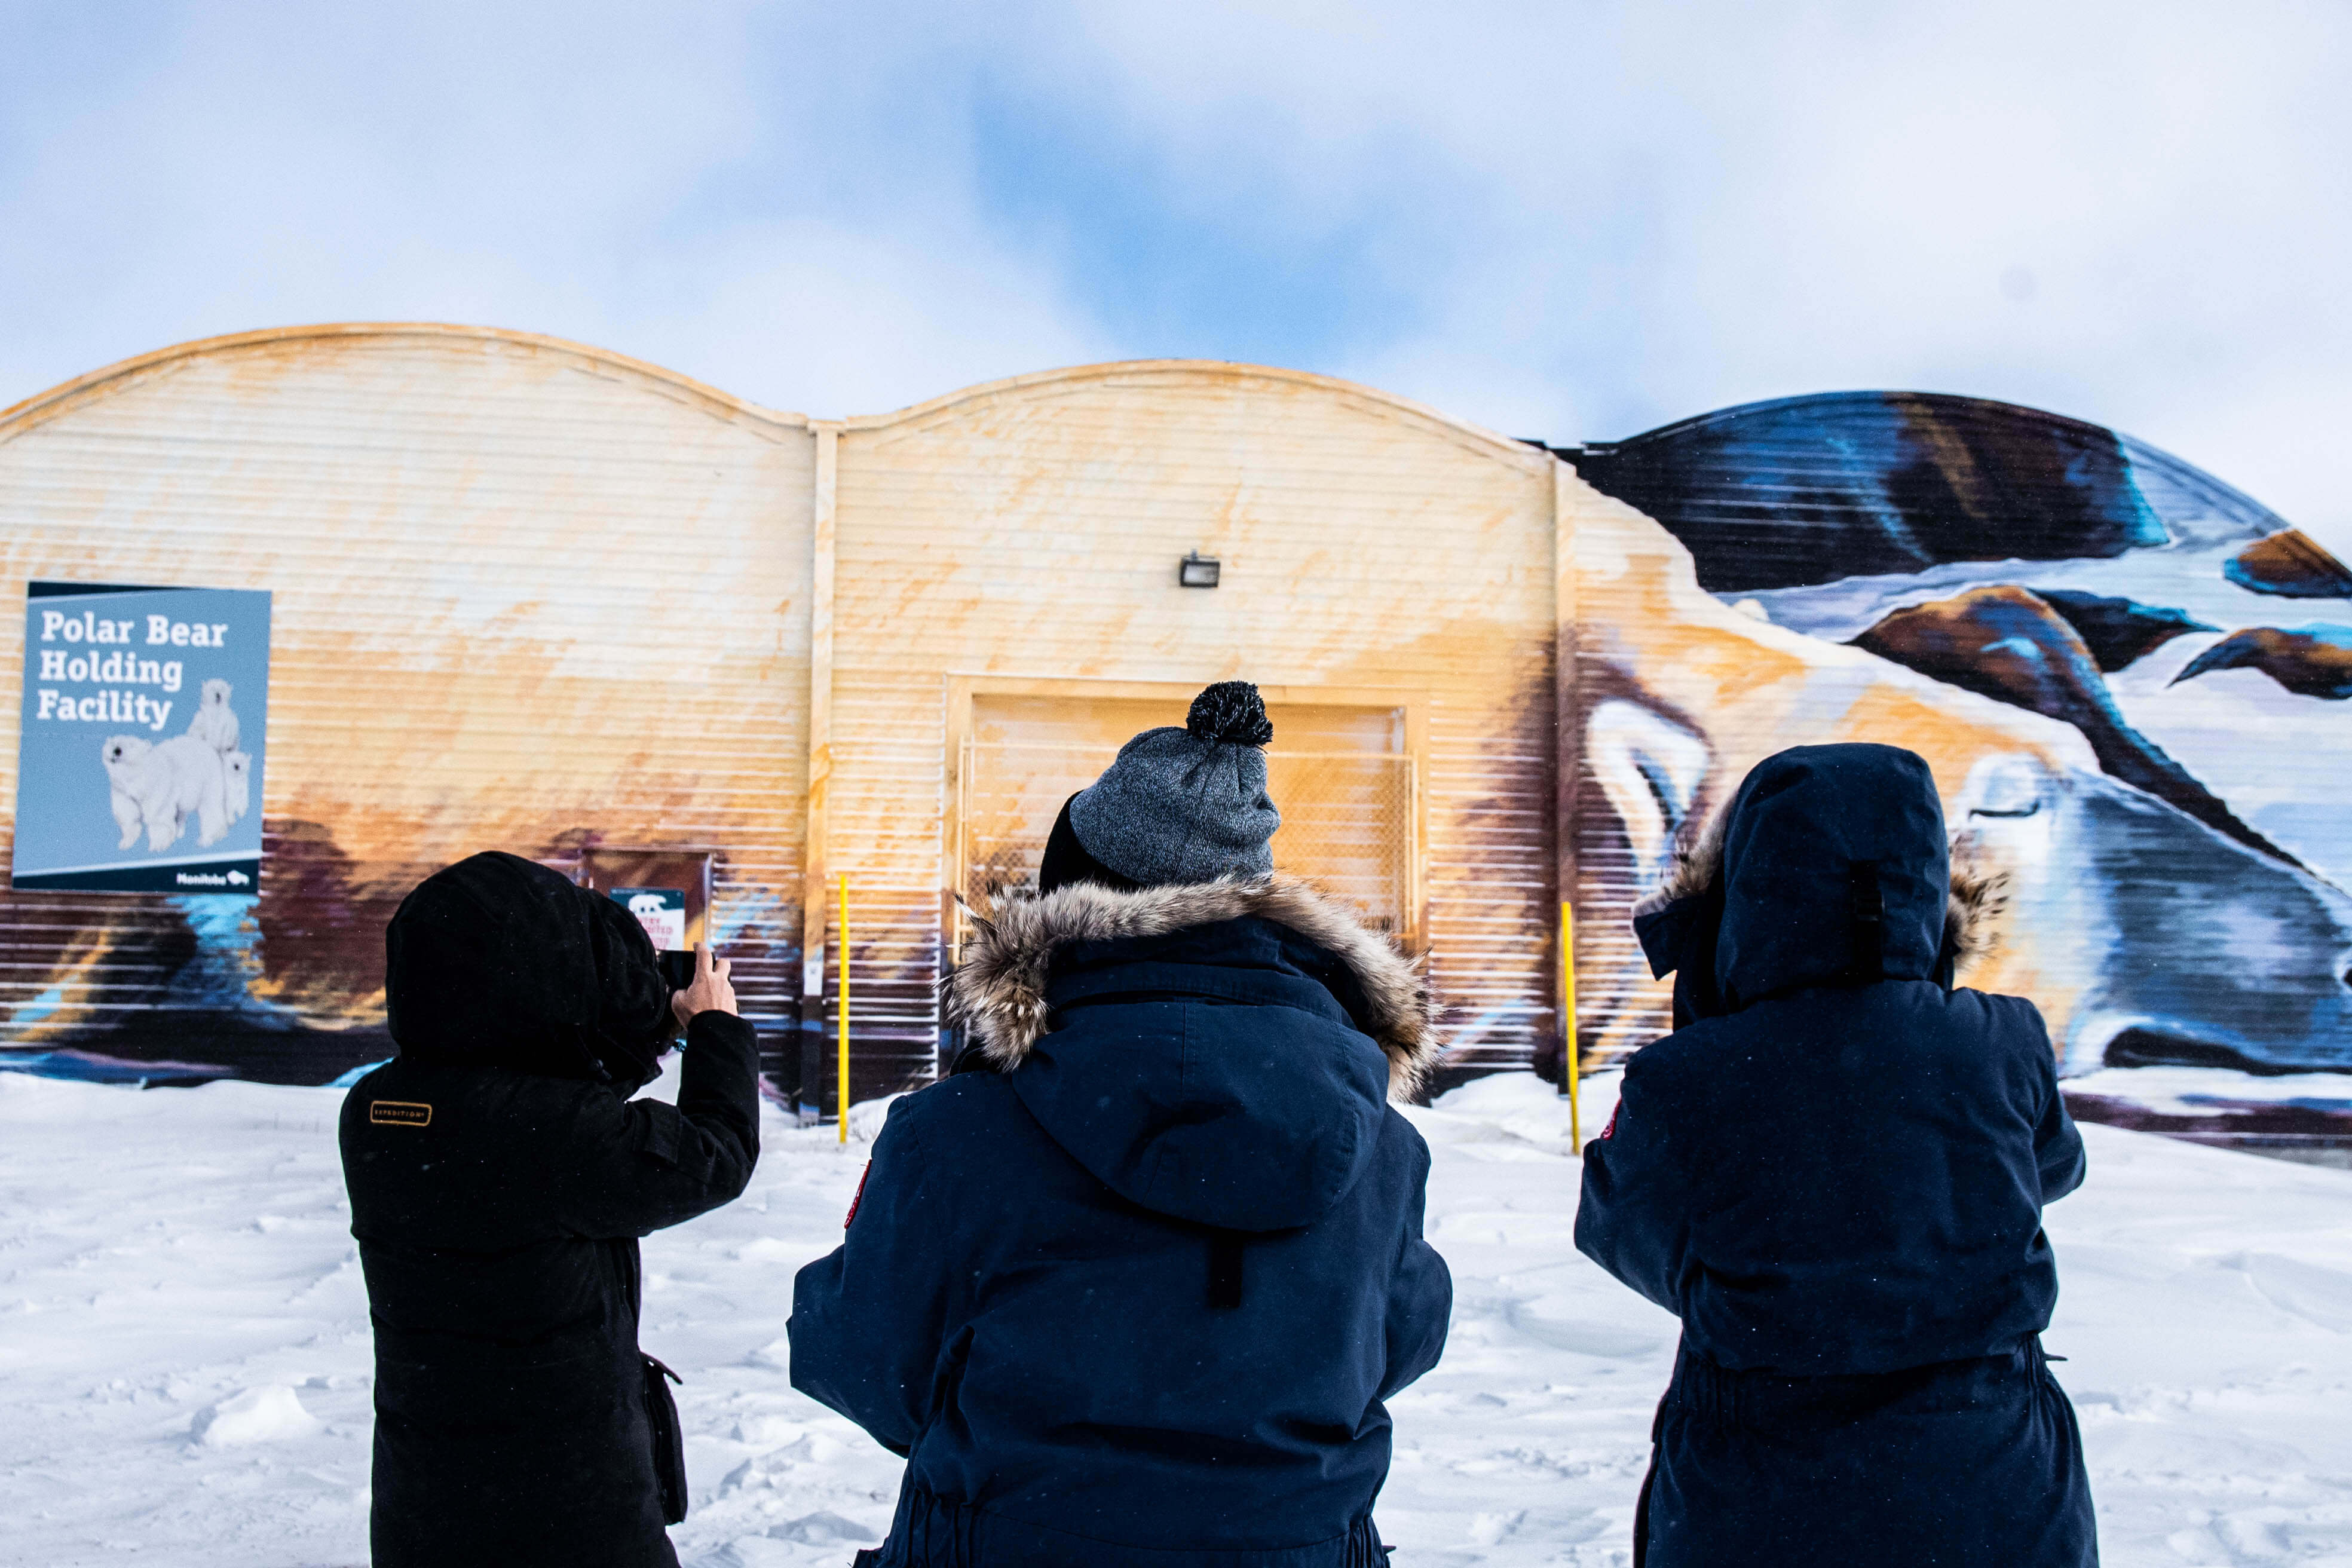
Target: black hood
point(499, 962)
point(1066, 861)
point(1833, 869)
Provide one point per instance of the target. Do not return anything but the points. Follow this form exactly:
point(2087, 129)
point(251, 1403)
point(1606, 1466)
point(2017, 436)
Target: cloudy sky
point(1574, 221)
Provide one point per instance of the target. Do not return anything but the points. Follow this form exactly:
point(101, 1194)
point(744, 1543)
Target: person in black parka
point(1833, 1171)
point(500, 1177)
point(1131, 1285)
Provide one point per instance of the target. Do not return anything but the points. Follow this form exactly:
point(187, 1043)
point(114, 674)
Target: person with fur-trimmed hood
point(1833, 1171)
point(1131, 1284)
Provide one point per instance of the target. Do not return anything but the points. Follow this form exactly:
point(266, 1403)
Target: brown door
point(1343, 775)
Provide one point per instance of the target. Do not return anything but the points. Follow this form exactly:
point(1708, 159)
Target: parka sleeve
point(640, 1166)
point(1633, 1216)
point(2060, 1161)
point(869, 1321)
point(1420, 1296)
point(2058, 1148)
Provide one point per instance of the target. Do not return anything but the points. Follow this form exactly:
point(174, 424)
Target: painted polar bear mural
point(2176, 897)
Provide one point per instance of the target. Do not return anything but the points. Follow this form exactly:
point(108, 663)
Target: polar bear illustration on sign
point(236, 787)
point(216, 721)
point(159, 786)
point(125, 757)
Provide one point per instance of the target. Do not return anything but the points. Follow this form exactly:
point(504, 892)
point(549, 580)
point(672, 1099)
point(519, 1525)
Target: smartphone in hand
point(704, 990)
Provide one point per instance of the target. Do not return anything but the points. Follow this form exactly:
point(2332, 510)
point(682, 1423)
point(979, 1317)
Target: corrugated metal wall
point(2180, 901)
point(527, 596)
point(1678, 695)
point(535, 596)
point(1033, 529)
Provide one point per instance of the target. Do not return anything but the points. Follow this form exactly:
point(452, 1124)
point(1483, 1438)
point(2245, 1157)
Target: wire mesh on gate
point(1348, 822)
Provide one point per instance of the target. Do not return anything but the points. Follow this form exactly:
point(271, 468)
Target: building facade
point(534, 597)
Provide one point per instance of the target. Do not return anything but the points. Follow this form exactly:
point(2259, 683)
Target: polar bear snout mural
point(2106, 886)
point(2146, 937)
point(159, 786)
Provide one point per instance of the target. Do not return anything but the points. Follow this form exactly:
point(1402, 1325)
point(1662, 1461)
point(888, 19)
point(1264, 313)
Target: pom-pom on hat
point(1188, 804)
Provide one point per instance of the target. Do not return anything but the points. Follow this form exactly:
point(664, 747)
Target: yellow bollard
point(841, 1084)
point(1570, 1065)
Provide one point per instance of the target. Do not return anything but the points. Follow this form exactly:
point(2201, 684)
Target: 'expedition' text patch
point(399, 1112)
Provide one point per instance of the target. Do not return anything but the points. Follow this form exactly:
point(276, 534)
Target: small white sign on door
point(661, 910)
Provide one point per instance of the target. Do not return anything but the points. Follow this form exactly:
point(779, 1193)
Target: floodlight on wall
point(1197, 570)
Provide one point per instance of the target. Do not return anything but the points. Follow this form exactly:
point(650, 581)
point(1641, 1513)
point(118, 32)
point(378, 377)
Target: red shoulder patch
point(852, 1217)
point(1610, 1131)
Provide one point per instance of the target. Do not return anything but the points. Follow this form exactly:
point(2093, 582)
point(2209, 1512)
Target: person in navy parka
point(1131, 1285)
point(1833, 1171)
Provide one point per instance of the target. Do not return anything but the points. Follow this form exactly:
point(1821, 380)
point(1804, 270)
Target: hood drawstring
point(1225, 1269)
point(1866, 909)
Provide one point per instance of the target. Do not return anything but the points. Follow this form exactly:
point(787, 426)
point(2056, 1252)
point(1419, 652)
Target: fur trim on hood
point(999, 992)
point(1971, 910)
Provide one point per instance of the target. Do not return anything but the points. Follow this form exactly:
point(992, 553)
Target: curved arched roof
point(112, 378)
point(44, 405)
point(1046, 382)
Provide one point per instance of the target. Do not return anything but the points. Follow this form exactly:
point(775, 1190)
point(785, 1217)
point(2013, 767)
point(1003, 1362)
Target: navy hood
point(500, 962)
point(1218, 1052)
point(1830, 867)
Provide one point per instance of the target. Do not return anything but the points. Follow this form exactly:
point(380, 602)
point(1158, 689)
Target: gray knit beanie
point(1188, 804)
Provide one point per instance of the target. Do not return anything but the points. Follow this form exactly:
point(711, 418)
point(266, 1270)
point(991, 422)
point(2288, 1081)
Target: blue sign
point(140, 758)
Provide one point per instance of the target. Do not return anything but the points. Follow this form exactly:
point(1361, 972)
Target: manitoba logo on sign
point(143, 739)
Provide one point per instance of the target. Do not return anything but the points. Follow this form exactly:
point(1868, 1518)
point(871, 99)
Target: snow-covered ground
point(184, 1364)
